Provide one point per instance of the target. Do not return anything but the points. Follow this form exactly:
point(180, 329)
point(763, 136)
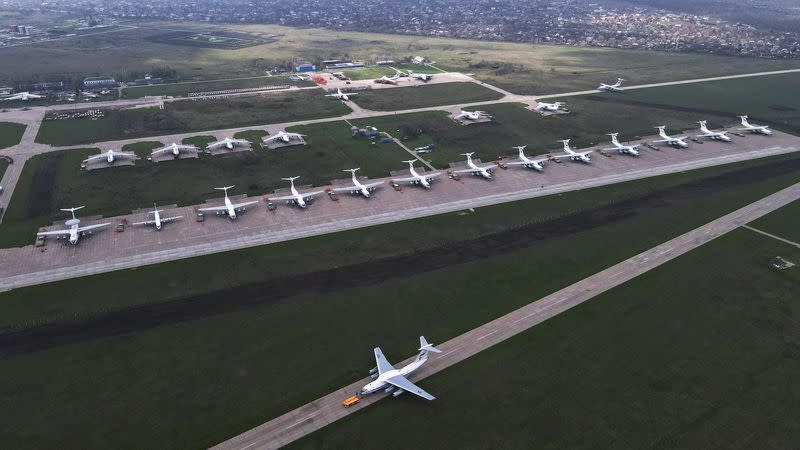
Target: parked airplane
point(390, 379)
point(75, 230)
point(474, 115)
point(284, 137)
point(677, 142)
point(296, 197)
point(713, 135)
point(229, 208)
point(576, 156)
point(420, 76)
point(300, 78)
point(110, 156)
point(228, 143)
point(478, 171)
point(358, 187)
point(632, 150)
point(757, 129)
point(415, 178)
point(616, 87)
point(542, 107)
point(175, 149)
point(389, 80)
point(339, 95)
point(157, 219)
point(524, 161)
point(24, 96)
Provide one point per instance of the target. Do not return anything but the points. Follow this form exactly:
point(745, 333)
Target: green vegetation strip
point(409, 97)
point(189, 353)
point(11, 134)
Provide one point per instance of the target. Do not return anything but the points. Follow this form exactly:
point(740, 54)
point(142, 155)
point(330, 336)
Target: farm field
point(191, 115)
point(189, 338)
point(10, 134)
point(424, 95)
point(51, 180)
point(691, 364)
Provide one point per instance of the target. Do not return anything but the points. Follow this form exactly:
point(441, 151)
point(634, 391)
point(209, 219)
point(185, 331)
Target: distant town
point(563, 22)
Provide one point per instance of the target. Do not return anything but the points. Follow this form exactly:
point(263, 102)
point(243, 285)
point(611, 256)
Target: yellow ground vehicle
point(350, 401)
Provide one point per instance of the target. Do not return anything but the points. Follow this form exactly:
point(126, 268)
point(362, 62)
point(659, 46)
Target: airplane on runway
point(575, 156)
point(713, 135)
point(677, 142)
point(756, 129)
point(110, 156)
point(420, 76)
point(228, 143)
point(616, 87)
point(524, 161)
point(229, 208)
point(157, 219)
point(296, 197)
point(632, 150)
point(75, 230)
point(478, 171)
point(24, 96)
point(175, 149)
point(339, 95)
point(542, 107)
point(389, 379)
point(284, 137)
point(358, 187)
point(415, 178)
point(474, 115)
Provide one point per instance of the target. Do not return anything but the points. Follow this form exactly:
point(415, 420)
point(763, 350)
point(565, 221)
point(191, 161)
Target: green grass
point(192, 383)
point(367, 73)
point(199, 141)
point(142, 149)
point(122, 189)
point(183, 89)
point(654, 363)
point(3, 167)
point(254, 136)
point(784, 222)
point(515, 125)
point(424, 95)
point(190, 115)
point(11, 134)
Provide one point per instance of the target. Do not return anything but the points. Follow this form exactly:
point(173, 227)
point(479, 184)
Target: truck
point(350, 401)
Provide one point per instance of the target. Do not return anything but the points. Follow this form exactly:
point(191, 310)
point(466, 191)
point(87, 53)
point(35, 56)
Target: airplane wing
point(170, 219)
point(381, 362)
point(490, 167)
point(243, 204)
point(215, 145)
point(153, 221)
point(93, 227)
point(346, 188)
point(403, 383)
point(519, 163)
point(125, 155)
point(467, 171)
point(94, 157)
point(213, 208)
point(146, 222)
point(52, 233)
point(272, 138)
point(305, 195)
point(375, 184)
point(280, 199)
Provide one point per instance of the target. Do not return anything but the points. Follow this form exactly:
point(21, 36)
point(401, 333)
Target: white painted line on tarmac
point(301, 421)
point(248, 446)
point(487, 335)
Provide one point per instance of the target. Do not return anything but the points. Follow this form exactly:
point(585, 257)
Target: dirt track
point(368, 273)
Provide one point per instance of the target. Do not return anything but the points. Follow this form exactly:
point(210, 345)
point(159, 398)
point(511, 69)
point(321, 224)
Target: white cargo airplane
point(157, 219)
point(75, 230)
point(24, 96)
point(677, 142)
point(389, 80)
point(524, 161)
point(175, 149)
point(576, 156)
point(296, 197)
point(359, 187)
point(420, 76)
point(713, 135)
point(616, 87)
point(542, 107)
point(757, 129)
point(229, 208)
point(632, 150)
point(339, 95)
point(389, 379)
point(110, 156)
point(284, 137)
point(228, 143)
point(415, 178)
point(474, 115)
point(478, 171)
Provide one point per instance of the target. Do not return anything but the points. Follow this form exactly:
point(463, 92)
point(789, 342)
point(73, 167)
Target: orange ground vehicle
point(350, 401)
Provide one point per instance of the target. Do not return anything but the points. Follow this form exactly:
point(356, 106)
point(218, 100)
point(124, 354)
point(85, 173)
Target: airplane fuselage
point(422, 181)
point(531, 164)
point(157, 218)
point(298, 199)
point(380, 382)
point(231, 211)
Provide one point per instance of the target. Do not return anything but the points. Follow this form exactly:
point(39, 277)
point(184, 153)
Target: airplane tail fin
point(410, 161)
point(425, 348)
point(225, 188)
point(353, 171)
point(290, 178)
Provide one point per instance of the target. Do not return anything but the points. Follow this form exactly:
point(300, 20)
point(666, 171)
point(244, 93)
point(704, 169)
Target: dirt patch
point(40, 198)
point(372, 272)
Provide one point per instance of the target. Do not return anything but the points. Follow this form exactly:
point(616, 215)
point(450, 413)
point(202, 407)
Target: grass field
point(199, 141)
point(654, 363)
point(784, 222)
point(52, 180)
point(183, 89)
point(192, 354)
point(424, 95)
point(10, 134)
point(515, 125)
point(3, 166)
point(191, 115)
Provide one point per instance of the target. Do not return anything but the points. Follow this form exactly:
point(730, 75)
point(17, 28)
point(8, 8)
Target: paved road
point(786, 241)
point(315, 415)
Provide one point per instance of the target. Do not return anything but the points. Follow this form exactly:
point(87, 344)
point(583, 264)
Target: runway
point(321, 412)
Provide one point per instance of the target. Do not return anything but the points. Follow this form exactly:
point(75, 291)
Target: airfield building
point(96, 82)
